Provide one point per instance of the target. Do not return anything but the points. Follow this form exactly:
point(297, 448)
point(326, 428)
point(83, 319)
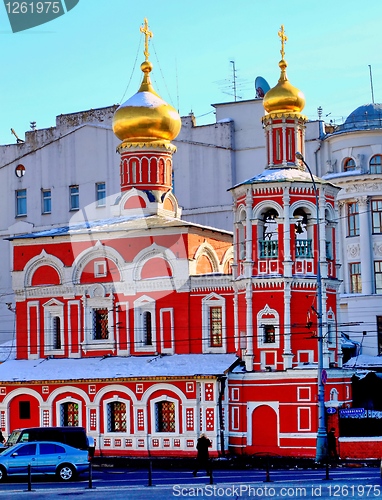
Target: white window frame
point(47, 199)
point(101, 194)
point(300, 410)
point(51, 311)
point(74, 195)
point(331, 328)
point(208, 302)
point(91, 304)
point(68, 399)
point(100, 269)
point(170, 310)
point(105, 416)
point(21, 210)
point(153, 402)
point(141, 306)
point(271, 319)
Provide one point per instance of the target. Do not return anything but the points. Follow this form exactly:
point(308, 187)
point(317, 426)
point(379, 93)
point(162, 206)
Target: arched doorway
point(24, 411)
point(264, 430)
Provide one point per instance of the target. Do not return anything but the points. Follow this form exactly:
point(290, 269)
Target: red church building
point(149, 330)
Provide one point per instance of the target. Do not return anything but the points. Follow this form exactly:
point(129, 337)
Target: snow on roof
point(282, 174)
point(364, 361)
point(120, 223)
point(176, 365)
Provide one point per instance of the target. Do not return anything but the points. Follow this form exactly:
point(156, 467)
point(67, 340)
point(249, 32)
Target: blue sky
point(85, 58)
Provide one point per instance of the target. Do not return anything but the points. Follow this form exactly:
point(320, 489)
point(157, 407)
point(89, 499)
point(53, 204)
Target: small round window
point(20, 170)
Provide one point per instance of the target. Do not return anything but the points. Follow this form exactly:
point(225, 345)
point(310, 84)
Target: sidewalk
point(319, 489)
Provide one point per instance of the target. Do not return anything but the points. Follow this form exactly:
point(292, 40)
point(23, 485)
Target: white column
point(367, 273)
point(270, 136)
point(249, 329)
point(287, 352)
point(287, 257)
point(284, 155)
point(248, 265)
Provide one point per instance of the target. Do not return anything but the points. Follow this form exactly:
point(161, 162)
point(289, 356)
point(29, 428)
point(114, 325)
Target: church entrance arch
point(264, 430)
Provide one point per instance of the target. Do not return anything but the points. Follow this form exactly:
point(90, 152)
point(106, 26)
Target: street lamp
point(321, 445)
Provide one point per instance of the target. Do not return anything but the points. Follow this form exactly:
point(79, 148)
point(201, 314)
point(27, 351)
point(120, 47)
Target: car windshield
point(13, 438)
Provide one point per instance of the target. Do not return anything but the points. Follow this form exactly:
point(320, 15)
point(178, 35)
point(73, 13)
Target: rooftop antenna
point(18, 140)
point(33, 126)
point(319, 112)
point(371, 84)
point(234, 79)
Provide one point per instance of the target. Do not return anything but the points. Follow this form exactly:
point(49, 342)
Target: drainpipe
point(222, 382)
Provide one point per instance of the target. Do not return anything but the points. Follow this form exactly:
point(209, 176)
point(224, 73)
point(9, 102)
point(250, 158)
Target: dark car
point(44, 458)
point(70, 435)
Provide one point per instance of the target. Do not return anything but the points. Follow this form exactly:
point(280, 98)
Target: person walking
point(332, 446)
point(202, 459)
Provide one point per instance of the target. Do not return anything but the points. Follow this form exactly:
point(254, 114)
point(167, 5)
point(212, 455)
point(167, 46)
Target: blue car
point(46, 457)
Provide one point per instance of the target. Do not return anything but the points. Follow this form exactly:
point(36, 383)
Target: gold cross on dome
point(284, 39)
point(148, 34)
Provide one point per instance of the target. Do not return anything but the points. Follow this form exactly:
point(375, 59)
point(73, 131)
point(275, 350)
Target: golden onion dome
point(284, 97)
point(146, 117)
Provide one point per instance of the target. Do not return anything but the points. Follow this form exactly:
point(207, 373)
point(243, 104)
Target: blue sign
point(331, 410)
point(352, 412)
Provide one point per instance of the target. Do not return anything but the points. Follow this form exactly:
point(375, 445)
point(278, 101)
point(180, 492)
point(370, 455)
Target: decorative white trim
point(100, 251)
point(154, 251)
point(264, 206)
point(53, 309)
point(68, 399)
point(213, 300)
point(300, 410)
point(251, 407)
point(90, 305)
point(273, 320)
point(207, 250)
point(142, 305)
point(35, 305)
point(44, 259)
point(167, 350)
point(164, 397)
point(125, 309)
point(112, 434)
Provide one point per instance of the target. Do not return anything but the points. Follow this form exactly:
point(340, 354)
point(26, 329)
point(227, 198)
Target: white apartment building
point(70, 172)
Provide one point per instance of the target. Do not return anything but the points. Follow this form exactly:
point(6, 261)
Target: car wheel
point(65, 472)
point(3, 474)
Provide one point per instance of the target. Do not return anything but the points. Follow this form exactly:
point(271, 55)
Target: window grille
point(56, 332)
point(69, 414)
point(216, 327)
point(116, 417)
point(165, 416)
point(100, 324)
point(269, 334)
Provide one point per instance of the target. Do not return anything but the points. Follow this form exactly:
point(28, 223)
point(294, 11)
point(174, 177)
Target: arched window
point(165, 416)
point(241, 235)
point(147, 327)
point(116, 417)
point(56, 322)
point(376, 165)
point(349, 164)
point(144, 324)
point(268, 325)
point(303, 242)
point(269, 241)
point(100, 324)
point(69, 414)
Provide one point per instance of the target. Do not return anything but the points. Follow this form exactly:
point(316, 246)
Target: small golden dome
point(146, 117)
point(284, 97)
